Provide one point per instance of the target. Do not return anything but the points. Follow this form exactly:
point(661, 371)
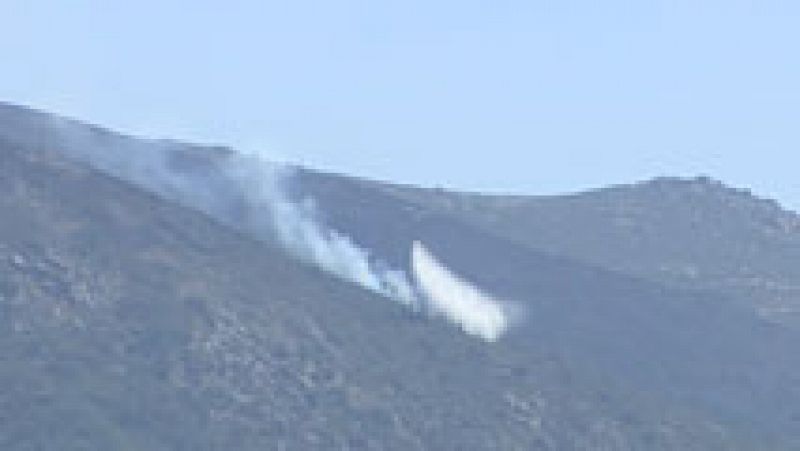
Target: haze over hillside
point(139, 312)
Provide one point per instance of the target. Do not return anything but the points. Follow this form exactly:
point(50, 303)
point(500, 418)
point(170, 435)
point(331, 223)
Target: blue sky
point(503, 95)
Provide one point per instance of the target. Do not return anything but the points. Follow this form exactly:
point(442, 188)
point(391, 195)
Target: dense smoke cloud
point(249, 193)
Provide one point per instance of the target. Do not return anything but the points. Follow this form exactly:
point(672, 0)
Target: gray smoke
point(250, 193)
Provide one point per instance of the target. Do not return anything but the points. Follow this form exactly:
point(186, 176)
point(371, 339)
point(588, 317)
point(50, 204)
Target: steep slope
point(131, 323)
point(701, 347)
point(128, 319)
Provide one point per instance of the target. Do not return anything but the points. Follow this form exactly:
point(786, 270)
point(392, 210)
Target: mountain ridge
point(115, 343)
point(690, 181)
point(241, 345)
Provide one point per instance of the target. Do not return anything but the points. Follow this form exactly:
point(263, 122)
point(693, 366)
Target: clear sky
point(498, 95)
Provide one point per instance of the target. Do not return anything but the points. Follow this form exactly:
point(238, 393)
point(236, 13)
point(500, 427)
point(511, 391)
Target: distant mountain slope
point(693, 233)
point(645, 336)
point(130, 322)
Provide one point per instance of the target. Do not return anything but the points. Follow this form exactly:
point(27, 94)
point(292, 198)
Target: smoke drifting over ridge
point(250, 194)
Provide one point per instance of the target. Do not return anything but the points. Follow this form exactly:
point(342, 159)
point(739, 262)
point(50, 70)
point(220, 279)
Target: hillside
point(693, 233)
point(130, 321)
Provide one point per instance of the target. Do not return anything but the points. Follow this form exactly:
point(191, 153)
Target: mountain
point(693, 233)
point(130, 319)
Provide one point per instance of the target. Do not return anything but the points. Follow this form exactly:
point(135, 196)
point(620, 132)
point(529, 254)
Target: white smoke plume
point(297, 228)
point(243, 191)
point(476, 312)
point(249, 193)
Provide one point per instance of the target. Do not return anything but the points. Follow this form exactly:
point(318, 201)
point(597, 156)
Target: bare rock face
point(128, 321)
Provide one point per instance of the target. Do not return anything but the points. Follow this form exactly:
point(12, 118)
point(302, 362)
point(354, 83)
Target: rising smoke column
point(243, 191)
point(464, 304)
point(249, 193)
point(297, 226)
